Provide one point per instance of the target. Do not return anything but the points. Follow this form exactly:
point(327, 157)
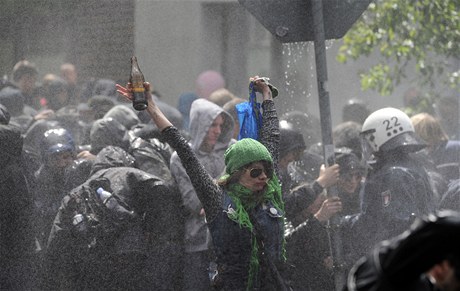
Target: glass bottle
point(137, 80)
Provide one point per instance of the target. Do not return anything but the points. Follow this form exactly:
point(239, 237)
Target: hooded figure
point(211, 130)
point(13, 100)
point(128, 245)
point(57, 151)
point(16, 235)
point(108, 132)
point(124, 115)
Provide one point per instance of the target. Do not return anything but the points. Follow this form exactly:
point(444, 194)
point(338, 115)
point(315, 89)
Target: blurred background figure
point(184, 105)
point(54, 90)
point(16, 212)
point(57, 150)
point(13, 100)
point(416, 101)
point(443, 152)
point(106, 87)
point(24, 78)
point(70, 75)
point(305, 169)
point(221, 96)
point(447, 109)
point(208, 82)
point(347, 134)
point(451, 198)
point(306, 124)
point(292, 147)
point(355, 110)
point(350, 180)
point(230, 107)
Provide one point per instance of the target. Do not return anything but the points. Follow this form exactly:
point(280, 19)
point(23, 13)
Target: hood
point(105, 87)
point(184, 105)
point(202, 114)
point(123, 115)
point(171, 112)
point(106, 132)
point(13, 100)
point(112, 157)
point(10, 142)
point(34, 135)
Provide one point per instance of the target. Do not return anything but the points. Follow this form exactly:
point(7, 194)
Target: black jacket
point(113, 249)
point(16, 234)
point(396, 191)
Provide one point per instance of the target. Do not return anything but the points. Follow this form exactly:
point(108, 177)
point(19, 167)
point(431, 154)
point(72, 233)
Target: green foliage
point(421, 32)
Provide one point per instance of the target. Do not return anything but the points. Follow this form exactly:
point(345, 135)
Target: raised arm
point(207, 190)
point(269, 135)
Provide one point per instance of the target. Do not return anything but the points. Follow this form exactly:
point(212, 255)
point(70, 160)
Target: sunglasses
point(256, 172)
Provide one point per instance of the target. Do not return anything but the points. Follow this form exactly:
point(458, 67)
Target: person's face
point(255, 177)
point(60, 160)
point(70, 75)
point(291, 156)
point(27, 83)
point(214, 132)
point(349, 182)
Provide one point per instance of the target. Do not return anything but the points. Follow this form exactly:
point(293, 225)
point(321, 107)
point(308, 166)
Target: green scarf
point(245, 200)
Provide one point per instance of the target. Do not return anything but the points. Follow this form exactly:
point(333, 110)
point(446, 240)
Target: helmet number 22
point(392, 122)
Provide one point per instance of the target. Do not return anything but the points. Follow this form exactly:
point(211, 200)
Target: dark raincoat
point(396, 191)
point(114, 251)
point(16, 234)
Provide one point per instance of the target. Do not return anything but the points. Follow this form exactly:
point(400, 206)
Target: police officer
point(397, 188)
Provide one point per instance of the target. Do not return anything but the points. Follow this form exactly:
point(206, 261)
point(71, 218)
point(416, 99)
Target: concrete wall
point(176, 40)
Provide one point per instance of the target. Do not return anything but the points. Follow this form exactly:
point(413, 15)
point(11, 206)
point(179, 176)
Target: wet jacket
point(400, 263)
point(152, 156)
point(49, 188)
point(202, 115)
point(307, 248)
point(396, 191)
point(112, 250)
point(446, 157)
point(451, 199)
point(124, 115)
point(108, 132)
point(233, 255)
point(233, 265)
point(16, 234)
point(13, 100)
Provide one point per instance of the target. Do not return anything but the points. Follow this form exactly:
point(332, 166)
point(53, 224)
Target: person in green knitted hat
point(244, 208)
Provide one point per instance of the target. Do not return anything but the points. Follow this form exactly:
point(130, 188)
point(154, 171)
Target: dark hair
point(290, 139)
point(22, 68)
point(347, 134)
point(233, 178)
point(355, 110)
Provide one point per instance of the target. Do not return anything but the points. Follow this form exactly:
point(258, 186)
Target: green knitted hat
point(243, 152)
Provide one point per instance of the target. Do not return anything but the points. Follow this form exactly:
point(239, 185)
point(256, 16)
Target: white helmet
point(389, 128)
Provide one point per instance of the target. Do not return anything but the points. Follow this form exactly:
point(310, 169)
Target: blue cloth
point(249, 116)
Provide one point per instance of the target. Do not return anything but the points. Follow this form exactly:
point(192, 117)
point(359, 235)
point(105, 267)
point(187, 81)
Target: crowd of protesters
point(99, 196)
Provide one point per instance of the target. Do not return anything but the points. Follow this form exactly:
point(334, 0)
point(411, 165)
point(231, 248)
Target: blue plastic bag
point(249, 116)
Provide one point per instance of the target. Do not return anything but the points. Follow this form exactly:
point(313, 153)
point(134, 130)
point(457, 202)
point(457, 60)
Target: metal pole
point(335, 241)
